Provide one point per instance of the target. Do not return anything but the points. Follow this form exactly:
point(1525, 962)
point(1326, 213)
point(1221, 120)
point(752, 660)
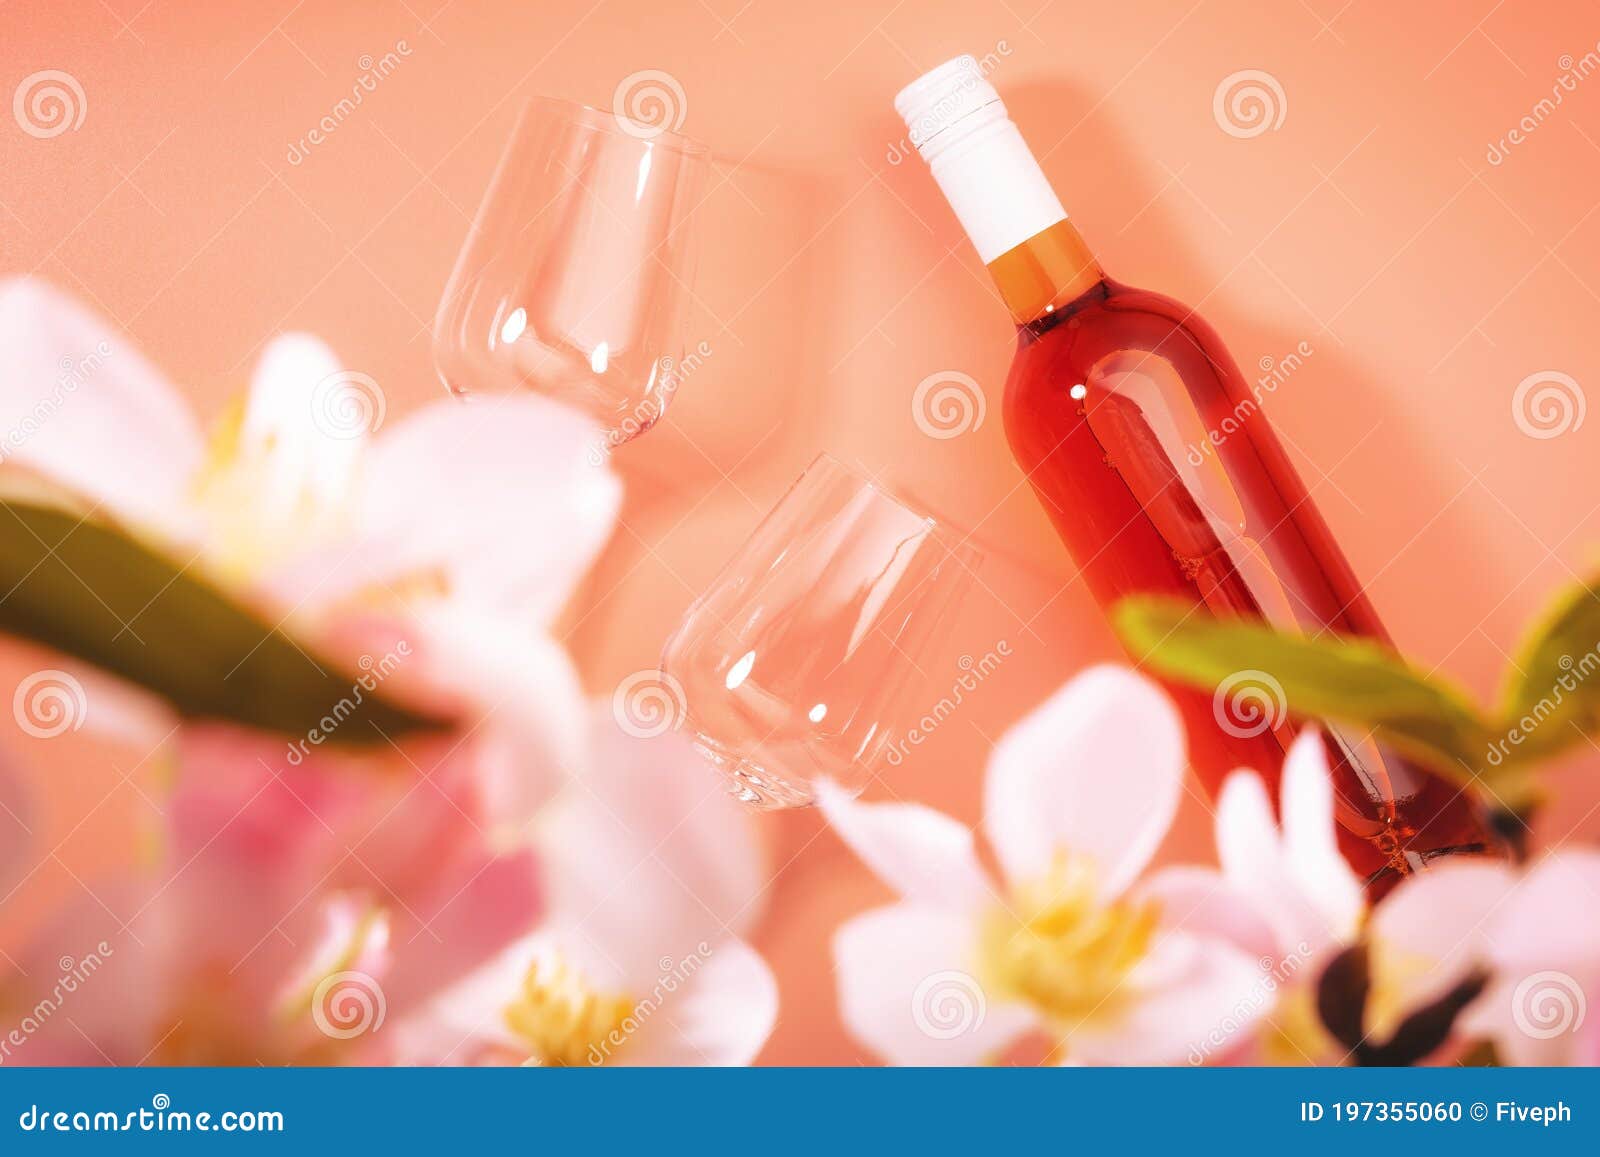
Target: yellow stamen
point(1396, 978)
point(1293, 1034)
point(564, 1020)
point(1057, 947)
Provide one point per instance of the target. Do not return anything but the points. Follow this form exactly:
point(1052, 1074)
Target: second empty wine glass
point(573, 279)
point(799, 661)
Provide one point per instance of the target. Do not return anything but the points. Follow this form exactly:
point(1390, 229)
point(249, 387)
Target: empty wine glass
point(572, 280)
point(797, 663)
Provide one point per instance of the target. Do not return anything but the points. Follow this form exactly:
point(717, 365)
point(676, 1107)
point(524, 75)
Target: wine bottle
point(1154, 461)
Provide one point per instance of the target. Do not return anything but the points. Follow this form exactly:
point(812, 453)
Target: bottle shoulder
point(1114, 305)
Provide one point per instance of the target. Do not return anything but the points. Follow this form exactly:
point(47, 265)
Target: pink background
point(1369, 225)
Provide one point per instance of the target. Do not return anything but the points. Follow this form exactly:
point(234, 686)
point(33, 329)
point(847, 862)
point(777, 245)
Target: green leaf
point(1349, 680)
point(90, 590)
point(1553, 696)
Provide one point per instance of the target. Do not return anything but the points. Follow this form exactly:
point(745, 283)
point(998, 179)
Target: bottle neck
point(1011, 213)
point(1049, 270)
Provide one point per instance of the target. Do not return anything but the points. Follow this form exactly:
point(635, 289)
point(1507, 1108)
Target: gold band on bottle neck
point(1044, 273)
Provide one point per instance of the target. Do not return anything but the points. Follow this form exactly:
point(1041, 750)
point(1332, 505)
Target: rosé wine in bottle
point(1158, 469)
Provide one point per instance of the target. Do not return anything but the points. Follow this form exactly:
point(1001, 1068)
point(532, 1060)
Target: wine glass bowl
point(573, 279)
point(796, 664)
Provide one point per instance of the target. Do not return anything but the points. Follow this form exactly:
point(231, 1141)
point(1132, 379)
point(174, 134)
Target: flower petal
point(648, 854)
point(926, 856)
point(1544, 1006)
point(523, 697)
point(1201, 901)
point(498, 494)
point(1428, 934)
point(1096, 770)
point(87, 990)
point(91, 413)
point(304, 426)
point(477, 907)
point(464, 1023)
point(1257, 863)
point(1193, 998)
point(1310, 839)
point(347, 932)
point(907, 990)
point(718, 1014)
point(1536, 926)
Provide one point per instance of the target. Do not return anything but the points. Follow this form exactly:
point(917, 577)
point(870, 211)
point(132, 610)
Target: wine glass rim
point(607, 120)
point(955, 540)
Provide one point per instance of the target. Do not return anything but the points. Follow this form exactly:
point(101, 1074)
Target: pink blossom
point(1301, 902)
point(271, 878)
point(293, 885)
point(1529, 928)
point(461, 529)
point(654, 876)
point(1069, 943)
